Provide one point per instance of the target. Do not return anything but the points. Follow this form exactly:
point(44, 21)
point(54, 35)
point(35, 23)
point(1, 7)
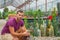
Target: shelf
point(30, 18)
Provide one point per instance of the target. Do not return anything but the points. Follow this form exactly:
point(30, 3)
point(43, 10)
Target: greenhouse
point(29, 19)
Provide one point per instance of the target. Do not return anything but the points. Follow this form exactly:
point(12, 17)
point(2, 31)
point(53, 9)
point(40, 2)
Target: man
point(15, 27)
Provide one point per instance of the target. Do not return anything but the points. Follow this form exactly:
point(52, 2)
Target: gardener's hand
point(26, 34)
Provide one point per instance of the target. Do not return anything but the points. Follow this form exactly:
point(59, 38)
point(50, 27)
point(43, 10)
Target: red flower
point(50, 17)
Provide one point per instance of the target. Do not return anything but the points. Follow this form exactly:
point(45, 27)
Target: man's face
point(20, 15)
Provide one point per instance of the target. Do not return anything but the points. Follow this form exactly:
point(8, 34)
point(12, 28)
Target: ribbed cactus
point(49, 29)
point(54, 21)
point(43, 28)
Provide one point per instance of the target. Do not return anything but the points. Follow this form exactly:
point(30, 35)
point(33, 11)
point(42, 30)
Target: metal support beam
point(26, 2)
point(46, 6)
point(36, 4)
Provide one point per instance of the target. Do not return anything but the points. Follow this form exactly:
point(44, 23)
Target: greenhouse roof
point(22, 5)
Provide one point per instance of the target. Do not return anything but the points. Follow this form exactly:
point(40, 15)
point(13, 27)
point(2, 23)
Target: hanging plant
point(0, 15)
point(5, 12)
point(6, 9)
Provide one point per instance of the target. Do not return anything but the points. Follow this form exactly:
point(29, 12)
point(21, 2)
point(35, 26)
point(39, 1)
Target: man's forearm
point(17, 34)
point(21, 30)
point(18, 31)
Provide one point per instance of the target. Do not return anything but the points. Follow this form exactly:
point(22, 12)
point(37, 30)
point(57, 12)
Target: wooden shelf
point(45, 18)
